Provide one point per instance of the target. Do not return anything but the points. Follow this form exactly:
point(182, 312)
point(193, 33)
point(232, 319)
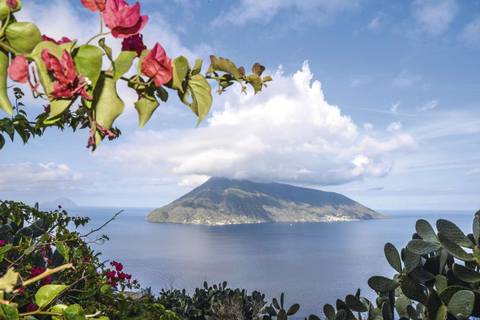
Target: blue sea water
point(314, 263)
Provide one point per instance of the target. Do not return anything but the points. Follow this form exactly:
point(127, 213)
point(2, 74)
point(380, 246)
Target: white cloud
point(430, 105)
point(394, 126)
point(405, 79)
point(263, 11)
point(288, 133)
point(434, 16)
point(28, 177)
point(471, 33)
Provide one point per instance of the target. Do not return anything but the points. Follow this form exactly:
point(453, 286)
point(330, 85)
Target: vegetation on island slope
point(222, 201)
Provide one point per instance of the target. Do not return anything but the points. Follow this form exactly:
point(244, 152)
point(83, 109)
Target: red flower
point(12, 4)
point(134, 43)
point(61, 41)
point(122, 19)
point(21, 290)
point(122, 276)
point(18, 69)
point(68, 83)
point(94, 5)
point(36, 271)
point(157, 65)
point(2, 243)
point(118, 266)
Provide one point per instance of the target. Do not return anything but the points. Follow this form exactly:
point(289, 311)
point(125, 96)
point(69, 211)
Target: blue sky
point(377, 100)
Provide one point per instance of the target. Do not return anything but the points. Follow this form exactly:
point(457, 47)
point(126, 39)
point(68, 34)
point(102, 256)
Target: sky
point(377, 100)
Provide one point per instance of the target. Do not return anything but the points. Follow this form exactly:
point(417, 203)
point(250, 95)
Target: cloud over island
point(288, 133)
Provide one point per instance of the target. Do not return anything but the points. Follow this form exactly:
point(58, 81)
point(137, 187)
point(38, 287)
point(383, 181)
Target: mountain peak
point(231, 201)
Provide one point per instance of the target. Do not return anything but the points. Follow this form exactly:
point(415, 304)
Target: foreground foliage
point(78, 91)
point(48, 271)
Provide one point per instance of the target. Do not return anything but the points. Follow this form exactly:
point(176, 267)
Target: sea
point(312, 263)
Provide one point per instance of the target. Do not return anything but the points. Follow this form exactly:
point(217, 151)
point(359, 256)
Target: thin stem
point(47, 273)
point(101, 23)
point(97, 36)
point(2, 31)
point(103, 225)
point(5, 46)
point(45, 313)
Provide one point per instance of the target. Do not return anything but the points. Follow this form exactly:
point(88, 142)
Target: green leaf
point(382, 284)
point(9, 280)
point(441, 313)
point(107, 103)
point(23, 36)
point(59, 308)
point(57, 106)
point(74, 312)
point(329, 311)
point(393, 257)
point(453, 233)
point(8, 312)
point(441, 282)
point(412, 290)
point(293, 309)
point(355, 304)
point(145, 106)
point(201, 96)
point(454, 249)
point(401, 305)
point(461, 304)
point(224, 65)
point(256, 82)
point(4, 250)
point(181, 69)
point(466, 274)
point(48, 293)
point(5, 103)
point(422, 247)
point(88, 60)
point(197, 68)
point(425, 231)
point(123, 63)
point(63, 250)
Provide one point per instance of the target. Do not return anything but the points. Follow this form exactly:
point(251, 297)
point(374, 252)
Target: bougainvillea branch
point(80, 91)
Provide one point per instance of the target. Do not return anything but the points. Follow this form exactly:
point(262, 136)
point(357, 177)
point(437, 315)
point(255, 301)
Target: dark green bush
point(215, 302)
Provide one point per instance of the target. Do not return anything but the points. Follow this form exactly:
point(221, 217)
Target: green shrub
point(49, 271)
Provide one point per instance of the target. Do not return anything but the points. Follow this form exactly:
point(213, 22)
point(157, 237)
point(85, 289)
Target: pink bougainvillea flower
point(68, 83)
point(36, 271)
point(47, 280)
point(12, 4)
point(134, 43)
point(124, 20)
point(118, 266)
point(61, 41)
point(157, 66)
point(18, 69)
point(2, 243)
point(94, 5)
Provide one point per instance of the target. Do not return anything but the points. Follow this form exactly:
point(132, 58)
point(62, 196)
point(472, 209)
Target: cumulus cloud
point(263, 11)
point(28, 177)
point(434, 16)
point(288, 133)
